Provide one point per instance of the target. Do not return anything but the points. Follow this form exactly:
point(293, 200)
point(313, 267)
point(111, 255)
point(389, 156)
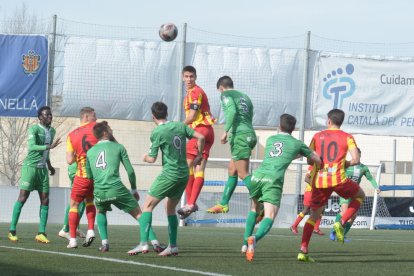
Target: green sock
point(16, 214)
point(347, 227)
point(172, 229)
point(229, 189)
point(250, 223)
point(145, 224)
point(102, 225)
point(152, 236)
point(81, 209)
point(66, 220)
point(248, 181)
point(264, 228)
point(44, 213)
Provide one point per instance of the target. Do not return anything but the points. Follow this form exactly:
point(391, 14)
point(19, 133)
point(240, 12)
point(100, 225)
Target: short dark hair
point(100, 128)
point(190, 69)
point(225, 81)
point(85, 110)
point(337, 116)
point(287, 123)
point(159, 110)
point(40, 111)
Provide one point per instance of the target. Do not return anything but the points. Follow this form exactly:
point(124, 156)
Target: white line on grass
point(116, 261)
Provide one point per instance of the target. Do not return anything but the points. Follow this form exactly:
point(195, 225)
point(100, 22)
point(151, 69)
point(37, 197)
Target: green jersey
point(170, 138)
point(39, 137)
point(356, 173)
point(103, 161)
point(280, 151)
point(238, 111)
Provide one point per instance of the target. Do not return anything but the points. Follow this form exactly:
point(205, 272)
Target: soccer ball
point(168, 32)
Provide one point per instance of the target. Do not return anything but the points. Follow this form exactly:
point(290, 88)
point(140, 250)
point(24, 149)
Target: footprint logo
point(339, 85)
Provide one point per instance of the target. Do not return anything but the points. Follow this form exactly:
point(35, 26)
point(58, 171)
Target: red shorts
point(192, 149)
point(307, 199)
point(82, 188)
point(346, 189)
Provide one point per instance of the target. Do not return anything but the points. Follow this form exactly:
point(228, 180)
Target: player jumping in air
point(238, 112)
point(198, 117)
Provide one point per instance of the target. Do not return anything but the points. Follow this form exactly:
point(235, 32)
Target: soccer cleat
point(140, 248)
point(158, 248)
point(243, 249)
point(13, 237)
point(319, 232)
point(184, 212)
point(72, 243)
point(80, 234)
point(90, 237)
point(339, 230)
point(42, 238)
point(251, 245)
point(218, 209)
point(64, 234)
point(294, 230)
point(332, 235)
point(346, 240)
point(104, 248)
point(305, 258)
point(169, 251)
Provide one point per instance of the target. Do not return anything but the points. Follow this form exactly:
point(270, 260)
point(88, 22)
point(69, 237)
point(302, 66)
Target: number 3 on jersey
point(100, 161)
point(278, 150)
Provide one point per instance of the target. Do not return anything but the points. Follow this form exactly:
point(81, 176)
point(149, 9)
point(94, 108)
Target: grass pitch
point(209, 251)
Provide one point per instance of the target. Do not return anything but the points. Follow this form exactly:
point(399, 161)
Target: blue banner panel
point(23, 74)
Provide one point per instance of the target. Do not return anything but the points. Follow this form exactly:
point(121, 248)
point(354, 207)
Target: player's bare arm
point(148, 159)
point(191, 117)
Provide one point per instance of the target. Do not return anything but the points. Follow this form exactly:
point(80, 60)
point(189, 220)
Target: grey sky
point(353, 20)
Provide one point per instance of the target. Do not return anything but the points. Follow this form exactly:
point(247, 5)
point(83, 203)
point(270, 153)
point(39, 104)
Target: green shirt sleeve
point(229, 109)
point(189, 132)
point(31, 141)
point(155, 144)
point(89, 174)
point(305, 150)
point(128, 167)
point(370, 178)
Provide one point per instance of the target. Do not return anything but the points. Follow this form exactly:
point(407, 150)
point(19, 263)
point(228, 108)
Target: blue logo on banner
point(339, 86)
point(23, 68)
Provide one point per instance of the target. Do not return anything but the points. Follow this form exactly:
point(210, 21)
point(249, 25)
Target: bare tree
point(13, 130)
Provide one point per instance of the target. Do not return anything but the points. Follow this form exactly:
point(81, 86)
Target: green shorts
point(344, 201)
point(266, 189)
point(164, 187)
point(33, 178)
point(120, 197)
point(241, 145)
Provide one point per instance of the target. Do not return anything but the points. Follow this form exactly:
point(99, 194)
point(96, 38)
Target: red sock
point(73, 220)
point(352, 209)
point(198, 185)
point(90, 214)
point(298, 220)
point(189, 187)
point(318, 222)
point(307, 234)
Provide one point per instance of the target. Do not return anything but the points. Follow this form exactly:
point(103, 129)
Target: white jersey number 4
point(100, 161)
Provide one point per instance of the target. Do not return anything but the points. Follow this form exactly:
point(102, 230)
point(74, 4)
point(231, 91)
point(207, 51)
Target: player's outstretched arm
point(372, 180)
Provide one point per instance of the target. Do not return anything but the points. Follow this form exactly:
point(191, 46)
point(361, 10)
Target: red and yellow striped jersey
point(79, 141)
point(196, 99)
point(332, 145)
